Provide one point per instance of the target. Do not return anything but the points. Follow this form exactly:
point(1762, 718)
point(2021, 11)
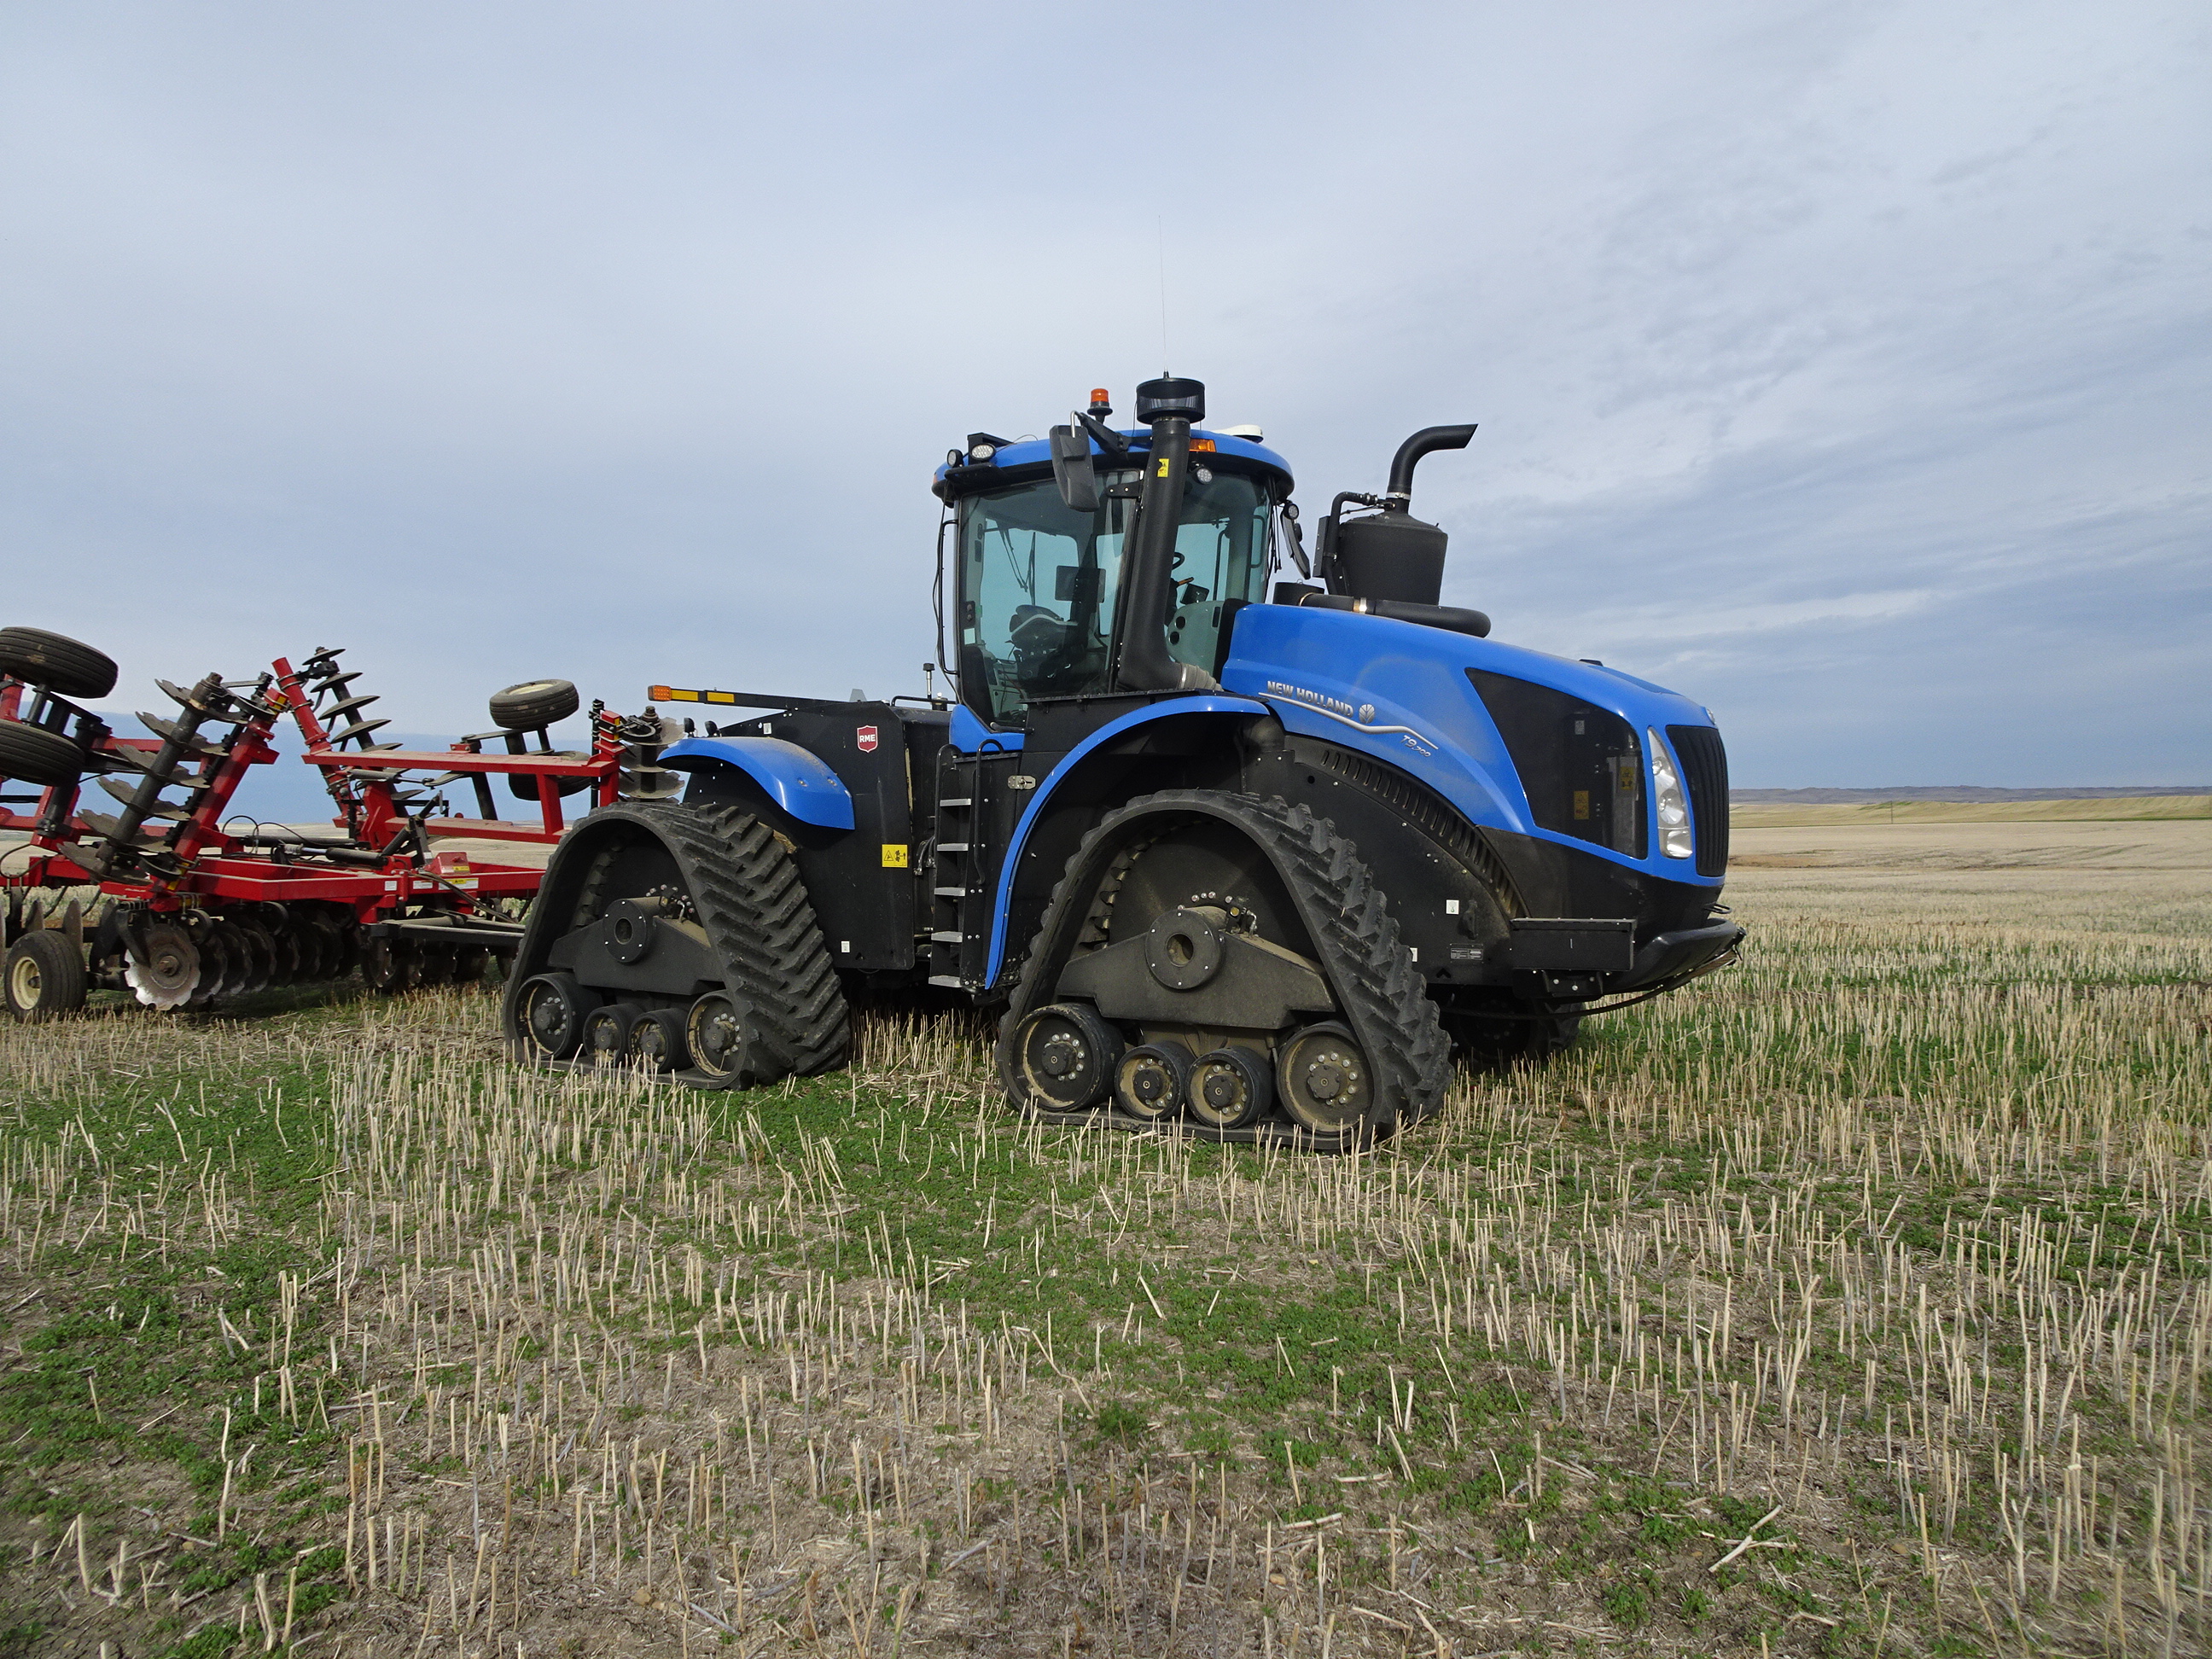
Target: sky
point(1847, 368)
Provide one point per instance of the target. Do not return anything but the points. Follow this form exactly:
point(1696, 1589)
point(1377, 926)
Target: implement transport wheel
point(33, 754)
point(43, 976)
point(61, 666)
point(533, 704)
point(698, 912)
point(1216, 933)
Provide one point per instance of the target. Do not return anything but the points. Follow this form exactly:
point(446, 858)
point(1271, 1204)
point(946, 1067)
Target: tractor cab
point(1042, 601)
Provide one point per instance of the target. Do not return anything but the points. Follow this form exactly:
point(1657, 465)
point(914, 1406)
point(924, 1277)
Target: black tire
point(533, 704)
point(43, 976)
point(751, 904)
point(1382, 997)
point(33, 754)
point(64, 666)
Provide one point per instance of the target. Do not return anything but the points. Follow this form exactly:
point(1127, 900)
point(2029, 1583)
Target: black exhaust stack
point(1391, 556)
point(1167, 405)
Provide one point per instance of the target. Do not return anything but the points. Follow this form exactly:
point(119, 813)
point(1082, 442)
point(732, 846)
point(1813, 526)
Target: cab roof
point(1018, 463)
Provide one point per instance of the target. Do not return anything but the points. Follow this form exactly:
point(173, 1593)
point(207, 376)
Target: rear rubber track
point(749, 897)
point(1382, 994)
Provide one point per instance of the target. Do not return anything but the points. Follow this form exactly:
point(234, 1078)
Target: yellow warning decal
point(1163, 467)
point(895, 855)
point(677, 694)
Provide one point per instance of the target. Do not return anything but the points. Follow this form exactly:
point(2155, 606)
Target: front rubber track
point(751, 903)
point(1379, 991)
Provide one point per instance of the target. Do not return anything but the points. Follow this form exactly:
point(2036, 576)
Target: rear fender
point(1068, 802)
point(801, 791)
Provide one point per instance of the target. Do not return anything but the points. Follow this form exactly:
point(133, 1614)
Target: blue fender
point(794, 778)
point(1104, 734)
point(969, 734)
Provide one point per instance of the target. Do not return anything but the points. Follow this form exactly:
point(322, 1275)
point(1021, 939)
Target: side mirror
point(1072, 470)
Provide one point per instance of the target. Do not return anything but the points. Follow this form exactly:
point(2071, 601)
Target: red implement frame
point(389, 866)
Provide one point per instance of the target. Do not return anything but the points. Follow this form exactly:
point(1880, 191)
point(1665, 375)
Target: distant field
point(1779, 815)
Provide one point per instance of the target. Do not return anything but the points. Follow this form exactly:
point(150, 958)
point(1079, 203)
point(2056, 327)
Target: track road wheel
point(656, 1041)
point(1152, 1081)
point(1231, 1088)
point(32, 754)
point(606, 1033)
point(1066, 1056)
point(43, 976)
point(64, 666)
point(1228, 925)
point(697, 907)
point(552, 1008)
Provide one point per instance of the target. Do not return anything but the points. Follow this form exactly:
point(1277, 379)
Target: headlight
point(1666, 794)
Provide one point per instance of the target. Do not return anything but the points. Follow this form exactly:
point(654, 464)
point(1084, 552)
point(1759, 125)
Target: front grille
point(1704, 770)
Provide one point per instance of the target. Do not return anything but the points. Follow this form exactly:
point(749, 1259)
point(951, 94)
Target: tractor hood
point(1450, 709)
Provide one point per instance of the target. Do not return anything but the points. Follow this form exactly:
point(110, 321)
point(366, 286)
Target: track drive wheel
point(698, 912)
point(551, 1008)
point(1232, 929)
point(43, 976)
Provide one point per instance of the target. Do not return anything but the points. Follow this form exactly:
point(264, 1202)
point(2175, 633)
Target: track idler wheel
point(552, 1008)
point(1066, 1055)
point(1323, 1079)
point(42, 976)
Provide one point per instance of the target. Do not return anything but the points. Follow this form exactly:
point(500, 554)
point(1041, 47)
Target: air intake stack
point(1391, 554)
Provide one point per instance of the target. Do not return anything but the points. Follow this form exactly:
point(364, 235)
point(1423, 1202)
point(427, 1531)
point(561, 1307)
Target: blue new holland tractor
point(1252, 855)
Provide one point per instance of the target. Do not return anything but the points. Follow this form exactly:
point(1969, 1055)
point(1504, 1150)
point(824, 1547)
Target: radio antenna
point(1159, 226)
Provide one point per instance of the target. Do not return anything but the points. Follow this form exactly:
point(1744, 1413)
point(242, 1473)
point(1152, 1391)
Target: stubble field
point(1854, 1301)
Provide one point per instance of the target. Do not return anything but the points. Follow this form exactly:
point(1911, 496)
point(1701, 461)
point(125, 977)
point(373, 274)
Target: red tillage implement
point(192, 904)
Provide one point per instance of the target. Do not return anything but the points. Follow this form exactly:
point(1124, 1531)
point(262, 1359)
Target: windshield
point(1039, 581)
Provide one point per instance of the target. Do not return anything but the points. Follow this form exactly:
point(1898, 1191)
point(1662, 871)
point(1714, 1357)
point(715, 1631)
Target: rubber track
point(749, 897)
point(1382, 993)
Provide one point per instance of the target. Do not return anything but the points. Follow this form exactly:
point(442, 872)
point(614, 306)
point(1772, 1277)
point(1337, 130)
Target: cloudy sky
point(1847, 367)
